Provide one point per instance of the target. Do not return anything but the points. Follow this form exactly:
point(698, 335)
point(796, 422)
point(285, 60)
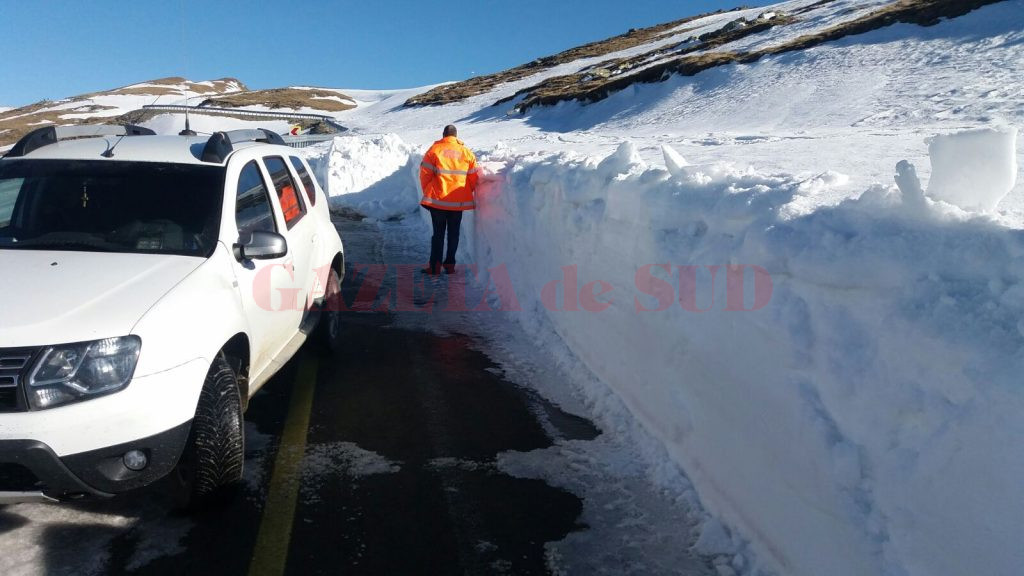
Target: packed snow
point(826, 344)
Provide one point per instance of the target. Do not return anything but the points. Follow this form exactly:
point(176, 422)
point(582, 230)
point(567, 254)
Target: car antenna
point(109, 152)
point(184, 56)
point(188, 131)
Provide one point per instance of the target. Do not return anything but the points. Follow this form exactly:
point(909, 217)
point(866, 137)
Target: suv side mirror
point(260, 245)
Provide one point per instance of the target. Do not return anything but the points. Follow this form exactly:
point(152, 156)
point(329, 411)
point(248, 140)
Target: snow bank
point(842, 386)
point(375, 176)
point(975, 169)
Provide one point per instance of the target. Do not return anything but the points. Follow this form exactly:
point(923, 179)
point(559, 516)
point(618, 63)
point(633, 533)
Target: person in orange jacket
point(448, 175)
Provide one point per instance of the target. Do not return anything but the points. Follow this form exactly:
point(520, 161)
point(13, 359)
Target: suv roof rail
point(221, 144)
point(52, 134)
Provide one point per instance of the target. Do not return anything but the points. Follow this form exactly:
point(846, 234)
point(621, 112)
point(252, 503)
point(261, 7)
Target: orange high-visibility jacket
point(448, 175)
point(289, 204)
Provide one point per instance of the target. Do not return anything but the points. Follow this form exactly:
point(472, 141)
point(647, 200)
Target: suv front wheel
point(215, 452)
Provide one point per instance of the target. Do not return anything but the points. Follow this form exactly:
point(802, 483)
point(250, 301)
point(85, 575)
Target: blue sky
point(54, 49)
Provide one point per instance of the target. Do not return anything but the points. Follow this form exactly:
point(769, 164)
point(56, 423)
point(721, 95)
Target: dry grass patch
point(290, 98)
point(173, 86)
point(482, 84)
point(596, 82)
point(18, 122)
point(142, 91)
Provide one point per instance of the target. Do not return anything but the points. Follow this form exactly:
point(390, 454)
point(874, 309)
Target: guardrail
point(330, 121)
point(305, 140)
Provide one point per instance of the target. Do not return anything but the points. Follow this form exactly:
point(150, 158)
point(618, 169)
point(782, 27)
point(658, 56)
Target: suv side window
point(307, 180)
point(291, 201)
point(252, 204)
point(9, 190)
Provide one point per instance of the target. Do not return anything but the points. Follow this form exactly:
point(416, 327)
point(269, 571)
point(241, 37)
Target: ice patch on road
point(255, 471)
point(451, 463)
point(632, 527)
point(348, 459)
point(41, 539)
point(159, 539)
point(340, 459)
point(76, 539)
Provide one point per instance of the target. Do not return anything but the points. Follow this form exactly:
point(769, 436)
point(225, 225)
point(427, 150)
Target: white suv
point(150, 286)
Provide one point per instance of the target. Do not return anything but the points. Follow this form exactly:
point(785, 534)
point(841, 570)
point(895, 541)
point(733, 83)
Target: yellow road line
point(271, 552)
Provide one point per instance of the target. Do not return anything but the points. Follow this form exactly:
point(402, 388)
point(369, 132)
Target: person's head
point(450, 130)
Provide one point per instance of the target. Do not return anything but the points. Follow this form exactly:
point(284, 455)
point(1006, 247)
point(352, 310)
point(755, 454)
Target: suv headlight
point(73, 372)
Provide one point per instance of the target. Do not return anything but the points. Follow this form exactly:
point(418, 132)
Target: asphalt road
point(378, 460)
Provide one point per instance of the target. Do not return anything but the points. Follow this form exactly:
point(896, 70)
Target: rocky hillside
point(686, 47)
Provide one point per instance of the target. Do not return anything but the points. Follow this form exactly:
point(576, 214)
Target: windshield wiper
point(64, 241)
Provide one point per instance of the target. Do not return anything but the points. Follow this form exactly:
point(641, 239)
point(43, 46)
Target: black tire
point(328, 328)
point(215, 452)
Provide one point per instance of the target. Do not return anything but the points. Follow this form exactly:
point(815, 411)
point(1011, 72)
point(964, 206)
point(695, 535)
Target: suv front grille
point(14, 367)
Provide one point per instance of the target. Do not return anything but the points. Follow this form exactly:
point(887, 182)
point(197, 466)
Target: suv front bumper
point(78, 449)
point(30, 468)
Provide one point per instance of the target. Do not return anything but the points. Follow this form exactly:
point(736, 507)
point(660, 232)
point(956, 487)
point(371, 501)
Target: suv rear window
point(307, 180)
point(110, 206)
point(292, 205)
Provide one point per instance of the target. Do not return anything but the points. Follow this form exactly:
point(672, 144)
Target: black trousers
point(444, 220)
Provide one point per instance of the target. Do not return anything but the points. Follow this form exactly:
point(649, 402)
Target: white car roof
point(173, 149)
point(142, 148)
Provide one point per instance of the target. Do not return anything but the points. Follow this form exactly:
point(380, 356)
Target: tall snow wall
point(853, 405)
point(845, 391)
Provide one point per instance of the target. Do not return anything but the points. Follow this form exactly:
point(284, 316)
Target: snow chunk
point(714, 539)
point(625, 157)
point(910, 185)
point(821, 182)
point(974, 169)
point(360, 162)
point(674, 161)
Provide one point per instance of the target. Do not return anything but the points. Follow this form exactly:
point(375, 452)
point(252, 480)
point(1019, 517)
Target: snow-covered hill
point(101, 107)
point(210, 101)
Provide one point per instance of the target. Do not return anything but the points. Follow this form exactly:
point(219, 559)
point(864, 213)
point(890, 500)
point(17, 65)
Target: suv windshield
point(110, 206)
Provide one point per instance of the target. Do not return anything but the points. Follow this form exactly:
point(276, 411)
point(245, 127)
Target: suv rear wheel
point(328, 330)
point(215, 452)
